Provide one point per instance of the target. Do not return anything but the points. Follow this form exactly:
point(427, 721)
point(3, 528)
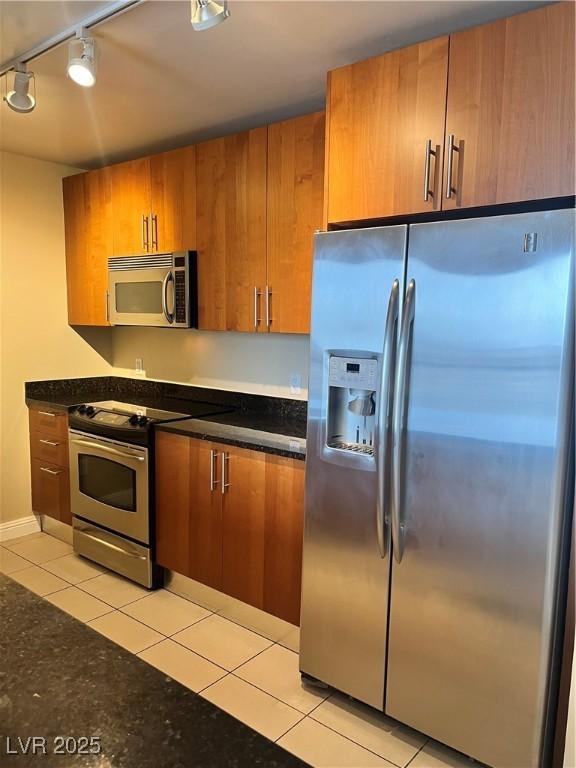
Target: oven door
point(109, 484)
point(141, 296)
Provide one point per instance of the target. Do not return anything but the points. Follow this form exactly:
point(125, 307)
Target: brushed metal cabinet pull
point(451, 149)
point(51, 471)
point(154, 220)
point(268, 315)
point(213, 469)
point(49, 442)
point(145, 234)
point(257, 295)
point(224, 483)
point(47, 413)
point(428, 154)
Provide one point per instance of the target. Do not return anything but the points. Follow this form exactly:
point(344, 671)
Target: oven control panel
point(111, 418)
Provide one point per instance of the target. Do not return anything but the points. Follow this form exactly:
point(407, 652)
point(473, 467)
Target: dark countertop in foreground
point(269, 424)
point(59, 677)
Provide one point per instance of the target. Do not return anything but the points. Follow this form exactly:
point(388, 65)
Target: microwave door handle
point(385, 416)
point(168, 315)
point(399, 422)
point(108, 449)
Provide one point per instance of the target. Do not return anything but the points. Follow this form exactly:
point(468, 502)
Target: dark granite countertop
point(280, 435)
point(60, 677)
point(270, 424)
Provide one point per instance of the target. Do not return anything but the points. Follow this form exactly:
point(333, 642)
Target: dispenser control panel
point(353, 372)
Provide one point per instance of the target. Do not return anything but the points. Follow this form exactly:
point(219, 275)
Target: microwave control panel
point(353, 372)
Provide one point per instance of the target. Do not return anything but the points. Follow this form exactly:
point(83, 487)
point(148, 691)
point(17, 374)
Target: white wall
point(248, 362)
point(35, 339)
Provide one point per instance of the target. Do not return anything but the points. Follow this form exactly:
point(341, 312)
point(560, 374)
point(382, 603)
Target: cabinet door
point(511, 109)
point(173, 188)
point(381, 112)
point(51, 490)
point(131, 207)
point(231, 231)
point(88, 237)
point(243, 525)
point(205, 514)
point(295, 211)
point(173, 496)
point(284, 530)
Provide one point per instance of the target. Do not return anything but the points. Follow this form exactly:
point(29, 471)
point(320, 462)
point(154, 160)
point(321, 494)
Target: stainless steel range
point(112, 483)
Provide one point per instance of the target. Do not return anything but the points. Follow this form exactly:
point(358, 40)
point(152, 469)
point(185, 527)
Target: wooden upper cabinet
point(511, 109)
point(231, 231)
point(88, 238)
point(131, 207)
point(380, 115)
point(295, 198)
point(284, 535)
point(173, 201)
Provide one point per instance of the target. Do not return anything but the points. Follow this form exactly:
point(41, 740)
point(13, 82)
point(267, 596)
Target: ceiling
point(162, 85)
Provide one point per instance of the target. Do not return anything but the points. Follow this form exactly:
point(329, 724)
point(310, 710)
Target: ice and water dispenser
point(352, 386)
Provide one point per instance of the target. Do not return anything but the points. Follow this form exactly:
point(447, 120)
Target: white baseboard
point(20, 527)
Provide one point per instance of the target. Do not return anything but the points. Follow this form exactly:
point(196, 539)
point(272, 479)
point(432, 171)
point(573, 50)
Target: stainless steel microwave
point(159, 290)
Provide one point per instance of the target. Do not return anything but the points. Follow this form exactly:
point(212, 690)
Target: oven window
point(139, 298)
point(108, 482)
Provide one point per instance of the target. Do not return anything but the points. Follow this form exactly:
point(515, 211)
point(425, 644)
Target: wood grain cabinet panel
point(49, 448)
point(380, 114)
point(511, 109)
point(295, 200)
point(51, 490)
point(231, 230)
point(284, 535)
point(173, 497)
point(243, 525)
point(205, 514)
point(51, 423)
point(88, 239)
point(131, 207)
point(173, 200)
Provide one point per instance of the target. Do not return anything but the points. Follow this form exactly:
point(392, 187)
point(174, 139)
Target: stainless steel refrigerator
point(440, 474)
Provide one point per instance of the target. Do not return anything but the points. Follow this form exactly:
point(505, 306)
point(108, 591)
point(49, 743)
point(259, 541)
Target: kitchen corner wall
point(249, 362)
point(35, 339)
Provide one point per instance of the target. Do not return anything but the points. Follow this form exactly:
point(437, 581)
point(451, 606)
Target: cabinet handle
point(224, 484)
point(51, 471)
point(154, 219)
point(145, 234)
point(49, 442)
point(268, 315)
point(257, 294)
point(47, 413)
point(213, 461)
point(451, 149)
point(429, 153)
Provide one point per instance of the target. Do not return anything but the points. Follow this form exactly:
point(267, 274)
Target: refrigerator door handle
point(385, 413)
point(399, 421)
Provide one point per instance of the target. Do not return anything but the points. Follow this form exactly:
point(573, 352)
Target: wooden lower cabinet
point(49, 464)
point(245, 541)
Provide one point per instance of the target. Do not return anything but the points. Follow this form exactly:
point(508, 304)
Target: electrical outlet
point(139, 367)
point(295, 383)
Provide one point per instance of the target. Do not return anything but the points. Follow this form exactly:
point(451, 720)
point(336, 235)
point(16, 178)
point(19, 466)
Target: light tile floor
point(218, 649)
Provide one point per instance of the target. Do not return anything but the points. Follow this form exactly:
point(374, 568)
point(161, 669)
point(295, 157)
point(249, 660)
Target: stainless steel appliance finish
point(109, 484)
point(345, 572)
point(115, 552)
point(472, 483)
point(158, 290)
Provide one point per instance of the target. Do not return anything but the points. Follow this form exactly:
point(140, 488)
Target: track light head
point(82, 61)
point(208, 13)
point(19, 99)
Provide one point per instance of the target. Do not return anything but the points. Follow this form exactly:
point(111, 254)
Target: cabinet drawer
point(50, 490)
point(49, 448)
point(49, 422)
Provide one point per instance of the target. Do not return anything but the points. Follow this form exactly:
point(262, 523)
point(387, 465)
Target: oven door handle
point(108, 449)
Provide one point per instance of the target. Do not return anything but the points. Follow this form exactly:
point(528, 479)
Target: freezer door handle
point(385, 413)
point(399, 421)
